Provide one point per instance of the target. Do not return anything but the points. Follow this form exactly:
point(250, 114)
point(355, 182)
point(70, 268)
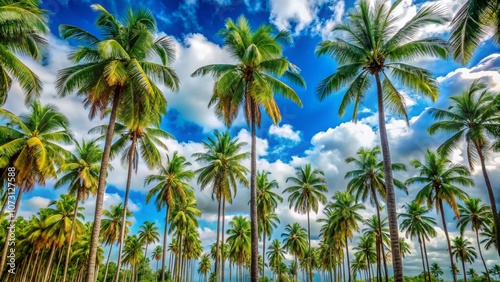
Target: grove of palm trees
point(255, 140)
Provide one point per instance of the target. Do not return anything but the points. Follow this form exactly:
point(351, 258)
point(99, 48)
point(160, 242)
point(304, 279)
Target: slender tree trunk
point(422, 255)
point(377, 246)
point(309, 237)
point(125, 202)
point(58, 264)
point(223, 253)
point(491, 195)
point(379, 232)
point(179, 257)
point(164, 256)
point(254, 265)
point(101, 187)
point(463, 267)
point(447, 239)
point(107, 262)
point(389, 184)
point(217, 243)
point(51, 257)
point(384, 259)
point(263, 251)
point(68, 251)
point(347, 256)
point(10, 230)
point(481, 255)
point(426, 259)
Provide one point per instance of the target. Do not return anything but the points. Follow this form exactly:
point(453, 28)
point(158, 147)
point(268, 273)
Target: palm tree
point(440, 178)
point(380, 232)
point(204, 266)
point(223, 172)
point(366, 251)
point(239, 239)
point(416, 224)
point(463, 250)
point(489, 235)
point(276, 255)
point(111, 226)
point(294, 241)
point(148, 234)
point(132, 254)
point(33, 149)
point(113, 69)
point(405, 247)
point(376, 46)
point(81, 174)
point(472, 273)
point(474, 117)
point(475, 20)
point(367, 181)
point(436, 270)
point(267, 201)
point(172, 188)
point(22, 25)
point(306, 194)
point(251, 83)
point(478, 216)
point(157, 255)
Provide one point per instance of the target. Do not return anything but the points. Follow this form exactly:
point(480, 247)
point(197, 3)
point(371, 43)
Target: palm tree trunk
point(422, 255)
point(389, 184)
point(163, 257)
point(263, 251)
point(254, 263)
point(179, 257)
point(447, 240)
point(379, 270)
point(125, 202)
point(347, 256)
point(217, 243)
point(51, 257)
point(309, 237)
point(481, 255)
point(223, 253)
point(491, 195)
point(58, 264)
point(68, 251)
point(426, 259)
point(107, 263)
point(101, 187)
point(379, 235)
point(463, 267)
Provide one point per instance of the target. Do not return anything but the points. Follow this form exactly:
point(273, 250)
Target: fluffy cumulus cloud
point(284, 131)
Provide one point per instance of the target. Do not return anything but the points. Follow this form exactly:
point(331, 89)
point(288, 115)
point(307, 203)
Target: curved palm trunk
point(217, 249)
point(163, 257)
point(347, 257)
point(447, 240)
point(481, 255)
point(107, 262)
point(101, 187)
point(51, 257)
point(223, 258)
point(389, 184)
point(426, 259)
point(309, 237)
point(422, 255)
point(491, 195)
point(68, 251)
point(125, 203)
point(254, 263)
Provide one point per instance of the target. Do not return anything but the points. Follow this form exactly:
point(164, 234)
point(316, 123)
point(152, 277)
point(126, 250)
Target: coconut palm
point(113, 69)
point(223, 171)
point(415, 223)
point(276, 255)
point(379, 231)
point(473, 116)
point(436, 270)
point(470, 26)
point(405, 247)
point(367, 182)
point(171, 188)
point(463, 250)
point(267, 223)
point(365, 250)
point(440, 178)
point(295, 241)
point(306, 194)
point(81, 172)
point(252, 83)
point(478, 216)
point(148, 234)
point(22, 25)
point(377, 46)
point(239, 240)
point(489, 235)
point(132, 254)
point(204, 266)
point(33, 148)
point(472, 273)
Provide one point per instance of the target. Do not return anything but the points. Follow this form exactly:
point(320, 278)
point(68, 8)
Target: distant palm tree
point(148, 234)
point(295, 241)
point(251, 83)
point(157, 255)
point(379, 231)
point(376, 46)
point(204, 266)
point(440, 178)
point(33, 148)
point(132, 254)
point(490, 236)
point(305, 195)
point(436, 270)
point(473, 116)
point(471, 24)
point(405, 247)
point(463, 250)
point(22, 25)
point(365, 250)
point(478, 216)
point(171, 187)
point(276, 255)
point(472, 273)
point(268, 222)
point(239, 240)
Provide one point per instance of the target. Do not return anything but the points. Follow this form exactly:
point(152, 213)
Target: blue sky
point(312, 134)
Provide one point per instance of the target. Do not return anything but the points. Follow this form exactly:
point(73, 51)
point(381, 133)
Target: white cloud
point(285, 131)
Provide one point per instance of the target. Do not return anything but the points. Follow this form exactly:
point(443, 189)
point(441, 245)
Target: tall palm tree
point(33, 148)
point(111, 226)
point(276, 255)
point(306, 194)
point(204, 266)
point(239, 239)
point(473, 116)
point(148, 234)
point(471, 24)
point(223, 171)
point(436, 270)
point(377, 47)
point(478, 216)
point(367, 181)
point(380, 231)
point(416, 224)
point(81, 175)
point(346, 215)
point(294, 241)
point(171, 187)
point(132, 254)
point(440, 178)
point(251, 83)
point(22, 25)
point(463, 250)
point(268, 221)
point(489, 235)
point(366, 251)
point(157, 255)
point(111, 69)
